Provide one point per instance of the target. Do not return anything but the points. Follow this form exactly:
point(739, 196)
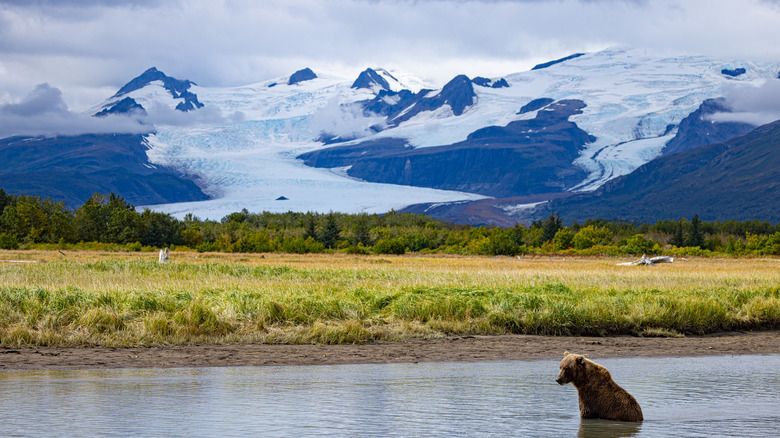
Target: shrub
point(639, 244)
point(563, 239)
point(8, 241)
point(591, 236)
point(389, 246)
point(296, 245)
point(501, 243)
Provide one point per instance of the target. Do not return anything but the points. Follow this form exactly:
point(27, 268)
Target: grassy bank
point(128, 299)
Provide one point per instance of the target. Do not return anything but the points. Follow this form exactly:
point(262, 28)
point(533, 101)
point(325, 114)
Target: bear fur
point(599, 395)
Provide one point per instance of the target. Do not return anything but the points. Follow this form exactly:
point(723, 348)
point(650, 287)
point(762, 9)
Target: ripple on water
point(709, 396)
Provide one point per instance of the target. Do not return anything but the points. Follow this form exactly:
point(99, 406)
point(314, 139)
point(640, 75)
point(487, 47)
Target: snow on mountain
point(250, 163)
point(632, 97)
point(151, 92)
point(634, 101)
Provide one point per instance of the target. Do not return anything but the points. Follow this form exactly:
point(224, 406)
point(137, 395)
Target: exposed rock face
point(557, 61)
point(734, 180)
point(302, 75)
point(179, 89)
point(521, 158)
point(733, 72)
point(369, 78)
point(698, 130)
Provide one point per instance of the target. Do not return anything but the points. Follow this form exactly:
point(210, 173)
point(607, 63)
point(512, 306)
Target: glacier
point(243, 152)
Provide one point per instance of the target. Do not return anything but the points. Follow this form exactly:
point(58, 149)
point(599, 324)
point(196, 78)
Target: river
point(680, 396)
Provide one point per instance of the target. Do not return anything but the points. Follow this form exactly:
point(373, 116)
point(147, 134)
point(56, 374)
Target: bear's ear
point(580, 360)
point(565, 353)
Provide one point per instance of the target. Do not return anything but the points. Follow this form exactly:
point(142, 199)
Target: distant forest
point(108, 222)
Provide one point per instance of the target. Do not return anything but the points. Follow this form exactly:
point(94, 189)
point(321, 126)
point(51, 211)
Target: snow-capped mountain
point(382, 140)
point(633, 102)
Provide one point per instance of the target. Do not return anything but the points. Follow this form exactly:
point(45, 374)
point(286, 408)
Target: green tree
point(551, 226)
point(590, 236)
point(26, 219)
point(563, 239)
point(91, 219)
point(8, 241)
point(254, 242)
point(678, 237)
point(160, 229)
point(639, 244)
point(501, 243)
point(310, 225)
point(695, 237)
point(389, 246)
point(360, 230)
point(329, 234)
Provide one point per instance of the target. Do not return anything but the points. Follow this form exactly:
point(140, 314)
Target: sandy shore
point(466, 348)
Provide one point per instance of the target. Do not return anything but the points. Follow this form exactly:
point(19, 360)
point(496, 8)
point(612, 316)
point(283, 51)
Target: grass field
point(122, 299)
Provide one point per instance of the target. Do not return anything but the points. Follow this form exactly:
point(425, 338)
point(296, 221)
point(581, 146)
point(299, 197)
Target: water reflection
point(732, 396)
point(608, 429)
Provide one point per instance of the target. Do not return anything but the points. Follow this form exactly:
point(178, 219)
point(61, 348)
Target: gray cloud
point(757, 106)
point(44, 113)
point(161, 115)
point(90, 48)
point(343, 120)
point(42, 100)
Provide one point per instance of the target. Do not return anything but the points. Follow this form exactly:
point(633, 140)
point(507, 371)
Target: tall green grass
point(336, 300)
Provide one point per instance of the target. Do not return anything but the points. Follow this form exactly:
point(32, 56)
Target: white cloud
point(344, 121)
point(757, 106)
point(89, 48)
point(162, 115)
point(43, 112)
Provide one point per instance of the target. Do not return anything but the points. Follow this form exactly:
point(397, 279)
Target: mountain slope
point(697, 130)
point(71, 169)
point(738, 180)
point(384, 140)
point(524, 157)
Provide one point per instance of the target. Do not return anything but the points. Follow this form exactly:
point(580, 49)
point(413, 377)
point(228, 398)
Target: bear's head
point(573, 368)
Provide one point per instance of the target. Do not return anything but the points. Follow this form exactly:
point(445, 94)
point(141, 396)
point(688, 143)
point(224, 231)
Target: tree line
point(108, 221)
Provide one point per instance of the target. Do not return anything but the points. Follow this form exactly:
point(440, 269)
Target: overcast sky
point(86, 49)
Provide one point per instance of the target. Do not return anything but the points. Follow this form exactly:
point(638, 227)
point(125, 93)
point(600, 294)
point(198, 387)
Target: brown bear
point(599, 395)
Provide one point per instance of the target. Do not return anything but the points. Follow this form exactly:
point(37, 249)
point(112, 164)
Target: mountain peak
point(178, 88)
point(175, 86)
point(302, 75)
point(370, 79)
point(458, 93)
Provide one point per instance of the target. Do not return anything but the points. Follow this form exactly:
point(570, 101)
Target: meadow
point(89, 298)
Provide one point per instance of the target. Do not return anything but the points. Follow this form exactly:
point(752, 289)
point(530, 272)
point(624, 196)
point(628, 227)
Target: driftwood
point(164, 256)
point(648, 261)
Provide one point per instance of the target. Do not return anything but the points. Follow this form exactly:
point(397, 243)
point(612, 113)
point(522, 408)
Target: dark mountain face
point(302, 75)
point(127, 105)
point(71, 169)
point(738, 180)
point(368, 78)
point(733, 72)
point(535, 104)
point(557, 61)
point(458, 94)
point(403, 105)
point(175, 86)
point(485, 82)
point(523, 157)
point(697, 130)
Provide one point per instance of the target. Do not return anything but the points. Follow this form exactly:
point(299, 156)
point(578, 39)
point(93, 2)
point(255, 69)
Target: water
point(707, 396)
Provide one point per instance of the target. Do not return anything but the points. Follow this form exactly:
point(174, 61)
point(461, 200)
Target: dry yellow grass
point(129, 299)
